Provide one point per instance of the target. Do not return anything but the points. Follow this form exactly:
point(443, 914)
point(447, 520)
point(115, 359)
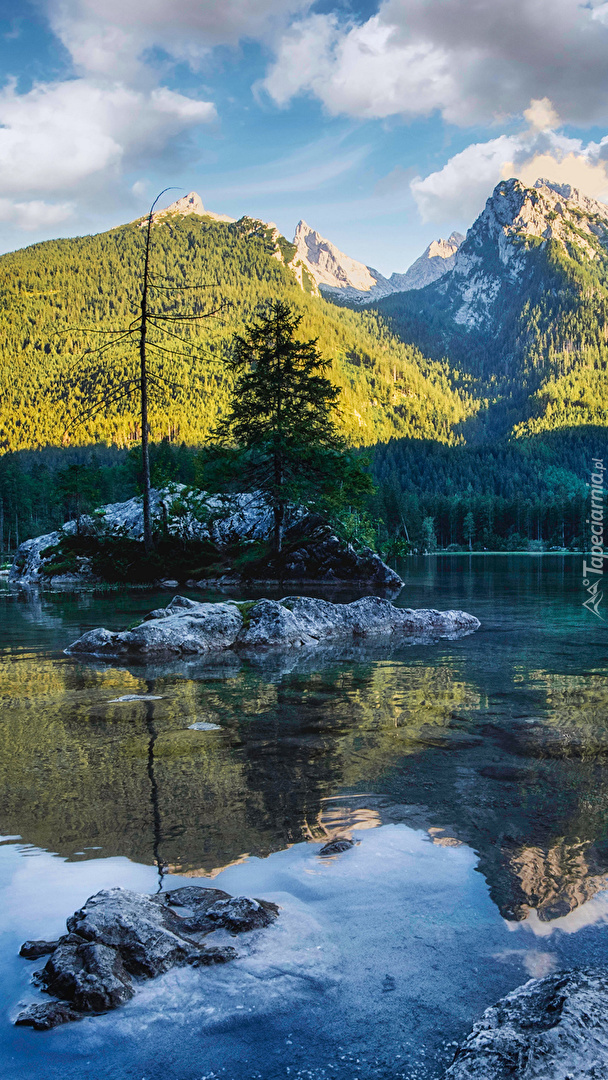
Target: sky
point(383, 125)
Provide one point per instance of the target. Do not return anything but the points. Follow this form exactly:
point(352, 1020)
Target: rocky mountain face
point(319, 266)
point(517, 224)
point(336, 273)
point(524, 310)
point(438, 259)
point(339, 276)
point(190, 204)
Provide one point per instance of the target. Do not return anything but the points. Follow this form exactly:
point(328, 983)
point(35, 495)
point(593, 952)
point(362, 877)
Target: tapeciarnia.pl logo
point(593, 572)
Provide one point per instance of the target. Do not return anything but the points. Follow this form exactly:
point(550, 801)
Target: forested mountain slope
point(50, 291)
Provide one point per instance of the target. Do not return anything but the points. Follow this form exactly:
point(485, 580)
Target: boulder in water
point(186, 627)
point(120, 935)
point(555, 1028)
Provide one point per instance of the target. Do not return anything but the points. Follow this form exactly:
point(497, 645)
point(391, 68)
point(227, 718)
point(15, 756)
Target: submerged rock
point(186, 627)
point(336, 846)
point(120, 935)
point(554, 1028)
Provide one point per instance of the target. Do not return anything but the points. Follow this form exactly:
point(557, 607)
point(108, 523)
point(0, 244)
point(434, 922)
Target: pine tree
point(468, 529)
point(282, 419)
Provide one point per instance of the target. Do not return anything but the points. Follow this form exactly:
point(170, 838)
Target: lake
point(472, 773)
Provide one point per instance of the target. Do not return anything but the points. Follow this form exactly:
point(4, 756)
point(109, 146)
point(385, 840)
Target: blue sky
point(383, 125)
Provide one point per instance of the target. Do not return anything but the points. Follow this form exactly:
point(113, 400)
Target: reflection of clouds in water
point(536, 963)
point(592, 913)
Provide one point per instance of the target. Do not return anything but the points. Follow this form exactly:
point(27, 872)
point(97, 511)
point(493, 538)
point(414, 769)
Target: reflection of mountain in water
point(437, 741)
point(556, 881)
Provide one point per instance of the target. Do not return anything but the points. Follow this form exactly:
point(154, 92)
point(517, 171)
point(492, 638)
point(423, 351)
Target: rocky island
point(187, 627)
point(202, 539)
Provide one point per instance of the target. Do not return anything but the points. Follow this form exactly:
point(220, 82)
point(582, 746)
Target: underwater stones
point(186, 627)
point(120, 936)
point(553, 1028)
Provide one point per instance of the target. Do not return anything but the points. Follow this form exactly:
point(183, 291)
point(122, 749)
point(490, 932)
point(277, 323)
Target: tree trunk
point(145, 452)
point(279, 517)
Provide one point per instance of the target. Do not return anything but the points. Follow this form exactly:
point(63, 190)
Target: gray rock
point(33, 950)
point(47, 1014)
point(120, 934)
point(187, 627)
point(315, 552)
point(29, 559)
point(241, 913)
point(554, 1028)
point(189, 630)
point(91, 976)
point(193, 896)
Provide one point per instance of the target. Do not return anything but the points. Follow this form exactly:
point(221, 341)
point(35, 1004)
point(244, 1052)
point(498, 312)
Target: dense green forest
point(542, 363)
point(51, 292)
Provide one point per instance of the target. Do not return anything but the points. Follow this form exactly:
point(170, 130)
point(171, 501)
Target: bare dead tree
point(137, 334)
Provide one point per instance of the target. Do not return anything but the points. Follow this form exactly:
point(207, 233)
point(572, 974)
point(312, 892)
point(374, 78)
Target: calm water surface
point(473, 774)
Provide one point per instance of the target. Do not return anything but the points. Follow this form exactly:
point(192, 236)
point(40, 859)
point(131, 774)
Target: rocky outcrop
point(120, 936)
point(312, 551)
point(553, 1028)
point(188, 204)
point(437, 260)
point(337, 273)
point(498, 252)
point(186, 627)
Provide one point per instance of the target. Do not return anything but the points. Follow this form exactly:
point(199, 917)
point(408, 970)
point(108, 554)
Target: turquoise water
point(472, 773)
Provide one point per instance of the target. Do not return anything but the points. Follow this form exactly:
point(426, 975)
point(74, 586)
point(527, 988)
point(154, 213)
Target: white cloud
point(459, 190)
point(60, 134)
point(472, 61)
point(365, 71)
point(109, 38)
point(35, 214)
point(541, 115)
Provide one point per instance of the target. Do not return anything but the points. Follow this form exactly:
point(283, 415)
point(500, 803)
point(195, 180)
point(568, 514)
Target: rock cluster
point(120, 936)
point(186, 627)
point(314, 552)
point(548, 1029)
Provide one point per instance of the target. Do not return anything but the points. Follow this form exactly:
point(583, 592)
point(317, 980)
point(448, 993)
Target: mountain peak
point(332, 270)
point(437, 260)
point(190, 204)
point(516, 221)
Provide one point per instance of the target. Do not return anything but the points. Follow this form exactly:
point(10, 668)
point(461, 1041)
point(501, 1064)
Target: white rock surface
point(223, 520)
point(437, 260)
point(186, 627)
point(334, 271)
point(554, 1028)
